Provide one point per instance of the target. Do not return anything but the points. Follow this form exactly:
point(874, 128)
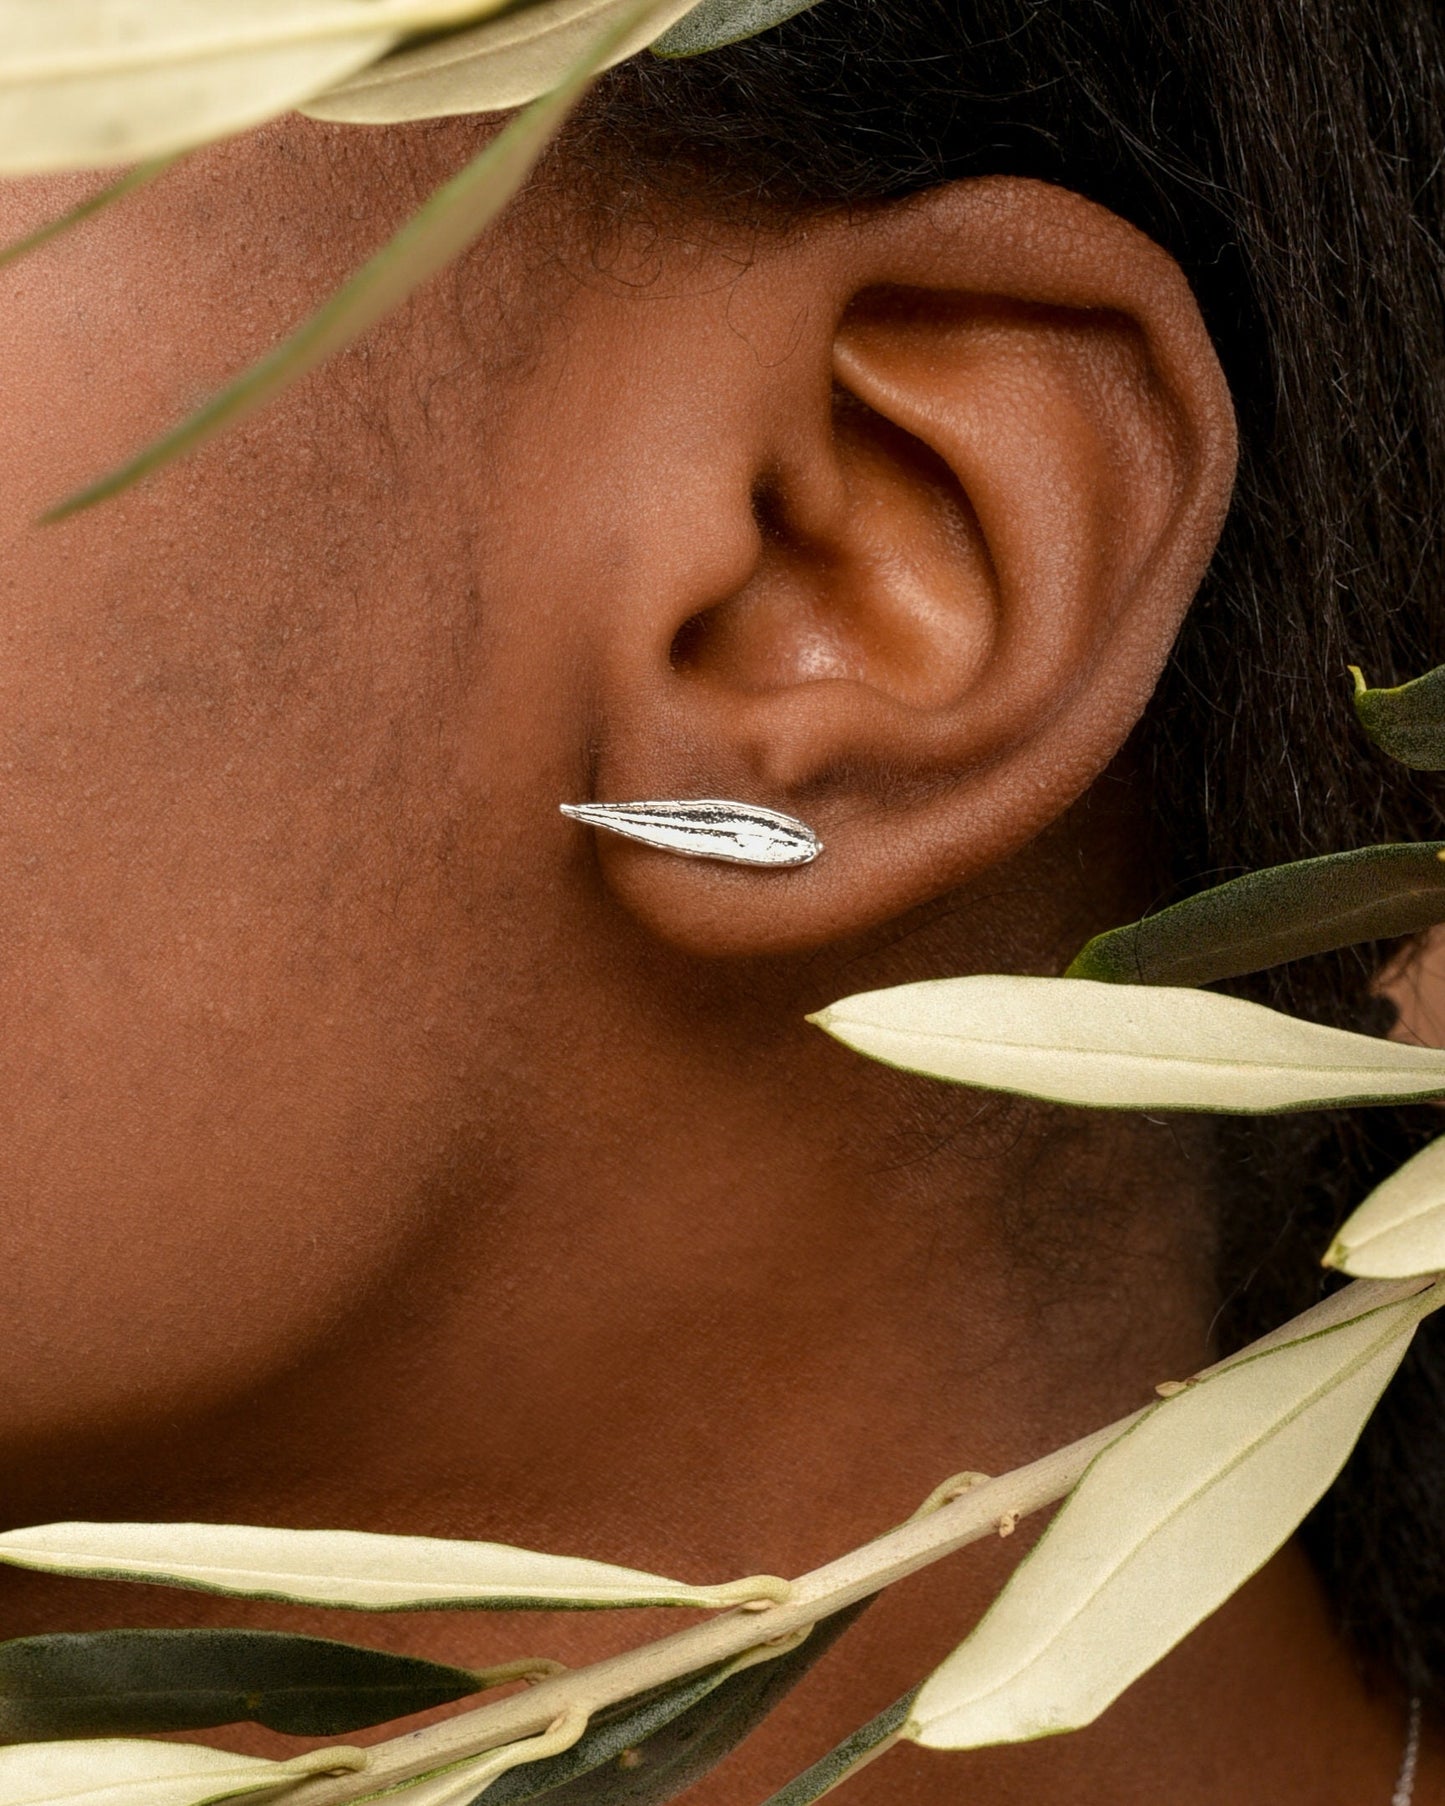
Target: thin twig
point(976, 1513)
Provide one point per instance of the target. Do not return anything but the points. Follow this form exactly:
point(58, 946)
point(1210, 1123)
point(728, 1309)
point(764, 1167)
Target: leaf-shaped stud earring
point(707, 828)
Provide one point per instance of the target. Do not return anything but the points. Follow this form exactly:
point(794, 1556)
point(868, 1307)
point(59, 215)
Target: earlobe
point(1011, 449)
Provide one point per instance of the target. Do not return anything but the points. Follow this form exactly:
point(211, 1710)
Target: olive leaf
point(140, 177)
point(646, 1749)
point(718, 22)
point(865, 1745)
point(650, 1749)
point(354, 1569)
point(1408, 721)
point(439, 232)
point(125, 1683)
point(93, 83)
point(132, 1772)
point(1399, 1230)
point(503, 62)
point(1265, 918)
point(448, 223)
point(459, 1783)
point(1165, 1524)
point(1126, 1047)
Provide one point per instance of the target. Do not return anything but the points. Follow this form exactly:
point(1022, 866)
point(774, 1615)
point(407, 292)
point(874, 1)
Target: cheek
point(219, 970)
point(229, 954)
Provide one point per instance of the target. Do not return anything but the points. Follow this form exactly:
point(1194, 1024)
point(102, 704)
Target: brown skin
point(382, 1151)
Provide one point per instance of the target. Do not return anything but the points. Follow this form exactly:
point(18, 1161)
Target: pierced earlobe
point(706, 828)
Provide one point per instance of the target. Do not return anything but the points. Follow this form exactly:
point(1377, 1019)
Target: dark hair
point(1289, 154)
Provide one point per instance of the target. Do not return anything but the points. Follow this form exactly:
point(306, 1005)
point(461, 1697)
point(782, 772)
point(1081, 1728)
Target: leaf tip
point(60, 511)
point(1360, 685)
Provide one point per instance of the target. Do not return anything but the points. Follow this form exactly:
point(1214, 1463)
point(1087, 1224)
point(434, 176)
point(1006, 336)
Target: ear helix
point(706, 828)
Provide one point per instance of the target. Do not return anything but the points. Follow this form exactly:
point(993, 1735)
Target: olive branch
point(1166, 1512)
point(1243, 1449)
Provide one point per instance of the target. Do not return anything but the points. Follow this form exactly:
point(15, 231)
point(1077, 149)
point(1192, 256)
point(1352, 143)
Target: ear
point(1007, 454)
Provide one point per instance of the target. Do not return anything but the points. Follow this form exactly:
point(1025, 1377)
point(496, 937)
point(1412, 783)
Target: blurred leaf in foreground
point(90, 84)
point(448, 223)
point(503, 62)
point(140, 177)
point(716, 23)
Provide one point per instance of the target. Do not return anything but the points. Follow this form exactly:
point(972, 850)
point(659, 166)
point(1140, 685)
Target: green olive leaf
point(127, 1683)
point(354, 1569)
point(1408, 721)
point(460, 1783)
point(649, 1750)
point(716, 23)
point(503, 62)
point(1127, 1047)
point(448, 223)
point(866, 1744)
point(140, 177)
point(1266, 918)
point(1163, 1527)
point(133, 1772)
point(1399, 1230)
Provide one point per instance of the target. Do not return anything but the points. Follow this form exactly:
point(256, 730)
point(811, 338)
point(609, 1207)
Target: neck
point(736, 1309)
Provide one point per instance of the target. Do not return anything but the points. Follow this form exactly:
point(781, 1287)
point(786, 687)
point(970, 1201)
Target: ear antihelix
point(706, 828)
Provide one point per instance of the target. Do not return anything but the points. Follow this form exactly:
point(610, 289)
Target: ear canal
point(890, 587)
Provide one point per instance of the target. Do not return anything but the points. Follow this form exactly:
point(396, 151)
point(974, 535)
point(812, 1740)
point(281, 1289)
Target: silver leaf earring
point(707, 828)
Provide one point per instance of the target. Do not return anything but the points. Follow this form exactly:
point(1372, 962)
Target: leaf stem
point(976, 1513)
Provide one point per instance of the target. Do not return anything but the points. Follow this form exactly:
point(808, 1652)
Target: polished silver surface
point(707, 827)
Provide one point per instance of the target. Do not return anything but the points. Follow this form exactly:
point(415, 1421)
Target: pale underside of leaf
point(1284, 913)
point(1164, 1526)
point(1399, 1230)
point(353, 1568)
point(716, 23)
point(131, 1772)
point(488, 67)
point(466, 1781)
point(113, 81)
point(1123, 1047)
point(445, 227)
point(1407, 721)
